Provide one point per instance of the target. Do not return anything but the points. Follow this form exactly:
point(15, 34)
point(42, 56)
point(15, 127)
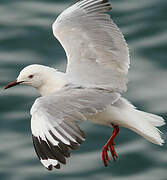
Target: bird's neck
point(54, 82)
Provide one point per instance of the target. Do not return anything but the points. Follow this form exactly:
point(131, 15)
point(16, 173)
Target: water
point(26, 38)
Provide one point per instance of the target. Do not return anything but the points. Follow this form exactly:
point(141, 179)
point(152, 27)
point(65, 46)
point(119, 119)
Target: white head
point(40, 77)
point(35, 75)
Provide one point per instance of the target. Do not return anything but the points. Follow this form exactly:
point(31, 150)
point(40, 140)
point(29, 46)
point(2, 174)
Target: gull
point(90, 89)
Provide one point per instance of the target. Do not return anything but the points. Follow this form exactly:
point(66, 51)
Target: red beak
point(14, 83)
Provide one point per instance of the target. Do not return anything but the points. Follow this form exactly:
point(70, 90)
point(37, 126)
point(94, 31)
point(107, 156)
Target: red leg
point(110, 146)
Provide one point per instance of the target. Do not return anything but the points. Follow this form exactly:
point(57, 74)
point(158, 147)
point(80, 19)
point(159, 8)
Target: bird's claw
point(105, 156)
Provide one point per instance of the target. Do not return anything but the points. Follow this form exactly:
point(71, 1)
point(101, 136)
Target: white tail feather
point(146, 125)
point(124, 114)
point(154, 119)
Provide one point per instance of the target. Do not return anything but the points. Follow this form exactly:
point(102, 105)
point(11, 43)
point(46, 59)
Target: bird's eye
point(30, 76)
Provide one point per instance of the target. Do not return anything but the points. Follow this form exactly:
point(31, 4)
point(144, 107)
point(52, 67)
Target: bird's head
point(37, 76)
point(31, 75)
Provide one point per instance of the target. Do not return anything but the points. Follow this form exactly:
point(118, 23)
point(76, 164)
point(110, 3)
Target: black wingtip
point(105, 1)
point(53, 154)
point(50, 167)
point(57, 166)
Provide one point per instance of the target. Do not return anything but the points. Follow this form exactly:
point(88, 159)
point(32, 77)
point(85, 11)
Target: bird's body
point(90, 89)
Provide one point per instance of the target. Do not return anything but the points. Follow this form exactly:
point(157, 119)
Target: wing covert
point(53, 126)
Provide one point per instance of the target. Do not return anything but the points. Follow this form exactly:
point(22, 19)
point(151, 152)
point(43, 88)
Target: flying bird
point(90, 89)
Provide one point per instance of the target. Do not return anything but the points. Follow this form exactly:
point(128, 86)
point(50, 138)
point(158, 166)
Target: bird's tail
point(143, 123)
point(146, 124)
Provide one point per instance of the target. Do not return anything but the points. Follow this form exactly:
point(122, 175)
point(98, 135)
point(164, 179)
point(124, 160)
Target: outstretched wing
point(95, 47)
point(53, 126)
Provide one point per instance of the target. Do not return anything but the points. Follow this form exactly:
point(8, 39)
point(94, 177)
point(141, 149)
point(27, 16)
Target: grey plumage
point(60, 110)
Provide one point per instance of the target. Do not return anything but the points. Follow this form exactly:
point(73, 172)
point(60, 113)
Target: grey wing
point(53, 126)
point(96, 50)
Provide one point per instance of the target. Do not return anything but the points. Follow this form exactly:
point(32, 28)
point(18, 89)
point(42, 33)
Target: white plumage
point(93, 44)
point(98, 62)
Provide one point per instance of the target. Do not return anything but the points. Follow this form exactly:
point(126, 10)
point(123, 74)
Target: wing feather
point(53, 121)
point(96, 50)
